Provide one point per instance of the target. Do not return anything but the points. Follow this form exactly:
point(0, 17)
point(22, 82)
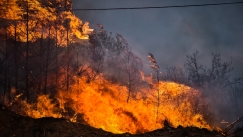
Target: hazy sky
point(170, 34)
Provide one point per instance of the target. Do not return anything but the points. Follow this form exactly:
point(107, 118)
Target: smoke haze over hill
point(171, 34)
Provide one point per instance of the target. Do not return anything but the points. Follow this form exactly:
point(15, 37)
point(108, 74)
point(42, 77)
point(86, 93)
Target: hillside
point(12, 124)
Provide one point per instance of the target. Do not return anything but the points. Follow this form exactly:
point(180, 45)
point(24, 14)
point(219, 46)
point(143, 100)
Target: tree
point(130, 75)
point(217, 76)
point(195, 71)
point(107, 51)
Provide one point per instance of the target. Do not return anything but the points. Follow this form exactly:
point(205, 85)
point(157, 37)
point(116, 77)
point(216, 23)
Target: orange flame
point(43, 21)
point(103, 105)
point(43, 108)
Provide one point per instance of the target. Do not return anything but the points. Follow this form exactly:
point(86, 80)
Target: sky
point(171, 34)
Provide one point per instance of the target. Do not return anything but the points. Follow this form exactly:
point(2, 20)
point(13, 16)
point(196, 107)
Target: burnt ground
point(14, 125)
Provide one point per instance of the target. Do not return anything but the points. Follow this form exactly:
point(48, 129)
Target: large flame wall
point(103, 105)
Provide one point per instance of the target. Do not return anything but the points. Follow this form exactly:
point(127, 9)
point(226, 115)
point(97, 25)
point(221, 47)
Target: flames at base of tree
point(103, 104)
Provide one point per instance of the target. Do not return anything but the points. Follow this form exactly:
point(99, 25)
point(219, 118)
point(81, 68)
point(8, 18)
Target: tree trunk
point(27, 55)
point(47, 63)
point(15, 57)
point(67, 62)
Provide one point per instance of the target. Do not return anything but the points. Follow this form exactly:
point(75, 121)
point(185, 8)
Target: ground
point(14, 125)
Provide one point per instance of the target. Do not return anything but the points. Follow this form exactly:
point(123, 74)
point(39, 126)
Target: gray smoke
point(171, 34)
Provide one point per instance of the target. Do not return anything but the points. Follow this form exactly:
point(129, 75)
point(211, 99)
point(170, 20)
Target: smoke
point(171, 34)
point(211, 33)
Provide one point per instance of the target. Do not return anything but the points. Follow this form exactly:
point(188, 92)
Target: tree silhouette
point(130, 71)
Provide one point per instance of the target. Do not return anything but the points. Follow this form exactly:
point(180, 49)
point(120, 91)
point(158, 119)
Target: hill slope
point(12, 124)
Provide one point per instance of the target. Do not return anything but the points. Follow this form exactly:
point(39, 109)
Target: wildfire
point(103, 105)
point(100, 103)
point(41, 19)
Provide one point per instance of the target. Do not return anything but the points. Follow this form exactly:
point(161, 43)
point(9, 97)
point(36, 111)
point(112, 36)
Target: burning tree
point(33, 43)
